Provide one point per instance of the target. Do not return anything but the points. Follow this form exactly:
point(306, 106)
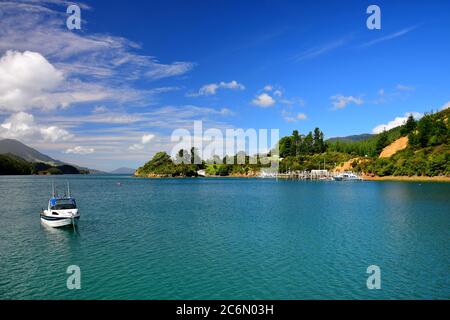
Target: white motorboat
point(61, 211)
point(347, 176)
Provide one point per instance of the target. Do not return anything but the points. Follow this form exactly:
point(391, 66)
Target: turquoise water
point(227, 239)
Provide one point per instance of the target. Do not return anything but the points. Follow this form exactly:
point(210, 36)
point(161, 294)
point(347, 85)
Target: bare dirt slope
point(347, 166)
point(394, 147)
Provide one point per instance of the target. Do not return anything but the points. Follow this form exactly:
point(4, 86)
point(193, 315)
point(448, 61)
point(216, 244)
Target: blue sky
point(110, 94)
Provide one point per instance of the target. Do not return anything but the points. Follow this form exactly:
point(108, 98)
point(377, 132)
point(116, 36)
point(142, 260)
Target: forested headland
point(426, 153)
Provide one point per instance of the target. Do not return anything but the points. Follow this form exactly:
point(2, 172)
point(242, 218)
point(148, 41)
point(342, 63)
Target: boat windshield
point(63, 204)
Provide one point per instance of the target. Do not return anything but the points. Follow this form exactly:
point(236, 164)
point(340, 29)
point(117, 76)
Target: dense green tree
point(319, 144)
point(285, 146)
point(296, 142)
point(382, 142)
point(308, 143)
point(12, 165)
point(409, 126)
point(425, 128)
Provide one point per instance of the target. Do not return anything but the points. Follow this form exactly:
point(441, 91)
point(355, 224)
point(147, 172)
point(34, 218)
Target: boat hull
point(58, 222)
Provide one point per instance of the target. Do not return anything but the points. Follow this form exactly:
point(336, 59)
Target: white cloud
point(54, 134)
point(99, 109)
point(234, 85)
point(398, 121)
point(446, 106)
point(80, 150)
point(301, 116)
point(320, 50)
point(39, 26)
point(389, 37)
point(136, 147)
point(289, 116)
point(211, 89)
point(29, 81)
point(263, 100)
point(340, 101)
point(23, 126)
point(180, 116)
point(92, 67)
point(159, 71)
point(277, 93)
point(208, 89)
point(26, 80)
point(147, 138)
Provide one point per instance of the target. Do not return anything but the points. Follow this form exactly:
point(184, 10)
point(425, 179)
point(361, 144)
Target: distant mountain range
point(354, 138)
point(18, 149)
point(123, 170)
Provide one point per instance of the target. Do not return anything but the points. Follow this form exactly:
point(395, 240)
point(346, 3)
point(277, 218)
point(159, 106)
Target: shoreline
point(408, 179)
point(365, 178)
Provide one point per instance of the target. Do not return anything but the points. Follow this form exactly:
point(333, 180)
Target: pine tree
point(382, 142)
point(409, 126)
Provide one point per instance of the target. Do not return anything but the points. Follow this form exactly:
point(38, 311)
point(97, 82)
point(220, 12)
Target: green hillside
point(427, 154)
point(14, 165)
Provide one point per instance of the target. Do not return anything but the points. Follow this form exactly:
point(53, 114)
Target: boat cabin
point(62, 204)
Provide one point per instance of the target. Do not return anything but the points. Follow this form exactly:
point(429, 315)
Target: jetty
point(322, 175)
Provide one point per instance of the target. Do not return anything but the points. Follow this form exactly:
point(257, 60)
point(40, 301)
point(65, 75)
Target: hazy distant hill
point(123, 170)
point(17, 148)
point(25, 152)
point(354, 138)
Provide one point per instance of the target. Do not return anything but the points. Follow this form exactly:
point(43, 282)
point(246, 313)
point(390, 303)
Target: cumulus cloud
point(80, 150)
point(263, 100)
point(212, 88)
point(446, 106)
point(55, 134)
point(22, 125)
point(340, 101)
point(26, 80)
point(398, 121)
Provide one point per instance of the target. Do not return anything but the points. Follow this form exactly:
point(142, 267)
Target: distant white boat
point(347, 176)
point(201, 173)
point(61, 211)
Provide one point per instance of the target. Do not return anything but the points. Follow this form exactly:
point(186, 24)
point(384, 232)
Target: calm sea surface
point(227, 239)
